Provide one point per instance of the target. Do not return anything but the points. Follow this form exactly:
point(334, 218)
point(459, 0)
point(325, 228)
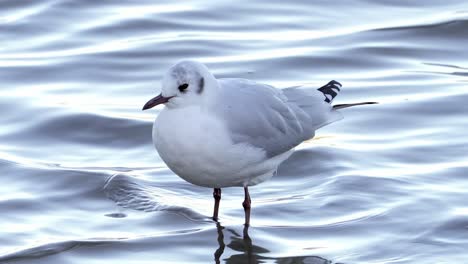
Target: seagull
point(228, 132)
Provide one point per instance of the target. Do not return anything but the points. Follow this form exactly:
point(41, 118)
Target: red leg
point(246, 204)
point(217, 197)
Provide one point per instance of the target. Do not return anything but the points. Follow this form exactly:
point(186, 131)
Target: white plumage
point(233, 132)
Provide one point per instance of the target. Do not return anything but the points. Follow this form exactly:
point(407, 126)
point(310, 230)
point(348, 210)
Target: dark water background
point(80, 181)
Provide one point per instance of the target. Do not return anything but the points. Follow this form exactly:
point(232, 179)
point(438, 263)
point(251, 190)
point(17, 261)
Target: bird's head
point(186, 83)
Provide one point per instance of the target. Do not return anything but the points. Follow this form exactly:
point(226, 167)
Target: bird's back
point(272, 119)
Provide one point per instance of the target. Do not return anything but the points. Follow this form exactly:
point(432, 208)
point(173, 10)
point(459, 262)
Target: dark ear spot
point(201, 85)
point(183, 87)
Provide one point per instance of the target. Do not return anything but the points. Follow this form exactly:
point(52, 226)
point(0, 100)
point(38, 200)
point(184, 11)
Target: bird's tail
point(341, 106)
point(331, 90)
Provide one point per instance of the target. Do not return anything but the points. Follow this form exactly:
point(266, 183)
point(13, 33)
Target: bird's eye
point(183, 87)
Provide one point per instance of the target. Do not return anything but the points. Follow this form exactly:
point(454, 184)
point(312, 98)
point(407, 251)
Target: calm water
point(81, 183)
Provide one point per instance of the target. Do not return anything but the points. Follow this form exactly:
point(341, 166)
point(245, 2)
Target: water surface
point(81, 182)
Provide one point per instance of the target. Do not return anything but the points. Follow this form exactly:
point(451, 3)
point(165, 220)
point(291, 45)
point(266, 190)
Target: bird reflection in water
point(249, 252)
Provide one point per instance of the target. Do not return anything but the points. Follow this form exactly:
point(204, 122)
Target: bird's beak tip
point(155, 101)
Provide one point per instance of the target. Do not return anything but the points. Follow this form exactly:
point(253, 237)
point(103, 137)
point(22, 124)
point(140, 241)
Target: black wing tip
point(340, 106)
point(367, 103)
point(333, 82)
point(330, 90)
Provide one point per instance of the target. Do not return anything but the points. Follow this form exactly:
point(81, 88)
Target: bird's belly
point(197, 147)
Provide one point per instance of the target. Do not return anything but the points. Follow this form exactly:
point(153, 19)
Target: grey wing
point(260, 115)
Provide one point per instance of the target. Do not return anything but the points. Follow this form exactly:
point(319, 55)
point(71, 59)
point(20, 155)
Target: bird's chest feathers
point(189, 137)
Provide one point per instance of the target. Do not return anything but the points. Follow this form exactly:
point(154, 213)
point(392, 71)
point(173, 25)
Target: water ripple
point(82, 182)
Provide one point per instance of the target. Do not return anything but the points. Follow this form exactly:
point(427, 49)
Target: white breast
point(197, 147)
